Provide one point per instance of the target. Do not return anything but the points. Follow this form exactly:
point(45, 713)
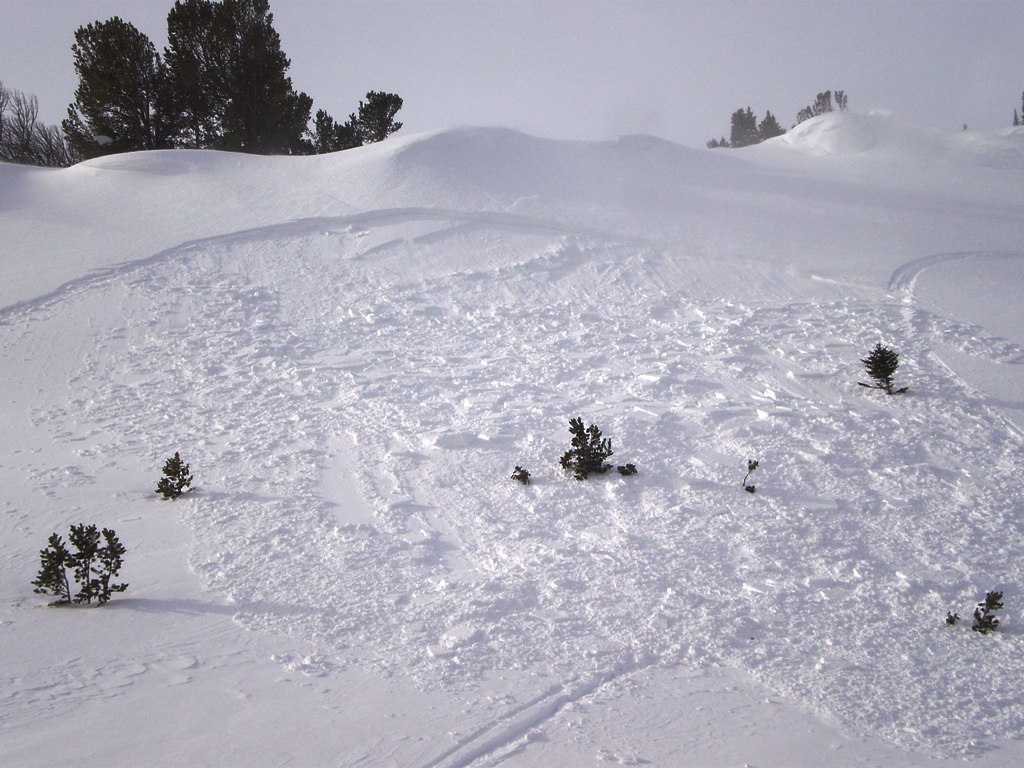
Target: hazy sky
point(595, 69)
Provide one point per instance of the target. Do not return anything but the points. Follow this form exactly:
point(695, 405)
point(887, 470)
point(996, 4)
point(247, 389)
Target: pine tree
point(880, 364)
point(744, 128)
point(110, 560)
point(822, 105)
point(984, 620)
point(196, 62)
point(588, 453)
point(86, 541)
point(53, 576)
point(176, 478)
point(119, 87)
point(330, 136)
point(769, 127)
point(263, 114)
point(376, 118)
point(93, 566)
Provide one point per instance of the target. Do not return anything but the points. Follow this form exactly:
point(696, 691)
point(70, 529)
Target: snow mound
point(837, 133)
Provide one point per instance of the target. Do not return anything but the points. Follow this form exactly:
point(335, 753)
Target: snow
point(354, 351)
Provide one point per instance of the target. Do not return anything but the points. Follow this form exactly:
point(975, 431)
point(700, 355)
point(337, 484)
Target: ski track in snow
point(299, 364)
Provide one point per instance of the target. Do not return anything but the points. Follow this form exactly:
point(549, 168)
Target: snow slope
point(353, 352)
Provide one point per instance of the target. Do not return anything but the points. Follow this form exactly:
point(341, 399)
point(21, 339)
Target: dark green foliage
point(329, 136)
point(751, 466)
point(769, 128)
point(375, 122)
point(53, 576)
point(952, 618)
point(176, 479)
point(119, 82)
point(520, 475)
point(263, 114)
point(744, 129)
point(588, 453)
point(984, 620)
point(222, 84)
point(93, 565)
point(627, 470)
point(196, 65)
point(747, 131)
point(376, 118)
point(880, 364)
point(823, 104)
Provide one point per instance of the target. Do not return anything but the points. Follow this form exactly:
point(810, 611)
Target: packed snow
point(354, 351)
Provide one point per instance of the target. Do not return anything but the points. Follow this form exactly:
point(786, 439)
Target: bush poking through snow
point(588, 453)
point(751, 466)
point(521, 475)
point(952, 618)
point(176, 479)
point(93, 566)
point(984, 620)
point(881, 363)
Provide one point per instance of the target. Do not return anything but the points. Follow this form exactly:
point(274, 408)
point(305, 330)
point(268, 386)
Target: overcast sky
point(595, 69)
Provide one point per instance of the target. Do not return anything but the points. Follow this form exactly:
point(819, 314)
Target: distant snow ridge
point(354, 399)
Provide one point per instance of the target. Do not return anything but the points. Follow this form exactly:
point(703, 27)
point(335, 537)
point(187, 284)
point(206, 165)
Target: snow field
point(270, 361)
point(353, 391)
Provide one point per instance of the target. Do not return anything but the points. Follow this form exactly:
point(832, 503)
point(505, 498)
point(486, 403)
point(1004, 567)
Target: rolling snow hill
point(354, 351)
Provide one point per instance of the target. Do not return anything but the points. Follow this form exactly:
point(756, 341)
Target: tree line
point(746, 130)
point(221, 83)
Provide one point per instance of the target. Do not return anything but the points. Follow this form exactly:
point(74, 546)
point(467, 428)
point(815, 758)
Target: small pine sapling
point(176, 479)
point(751, 466)
point(952, 618)
point(880, 364)
point(93, 566)
point(628, 469)
point(110, 561)
point(521, 475)
point(984, 620)
point(52, 578)
point(588, 453)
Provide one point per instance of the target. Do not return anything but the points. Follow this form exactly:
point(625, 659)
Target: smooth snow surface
point(354, 351)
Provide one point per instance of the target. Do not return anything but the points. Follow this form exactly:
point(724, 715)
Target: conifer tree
point(176, 479)
point(984, 618)
point(822, 105)
point(263, 114)
point(880, 364)
point(119, 89)
point(744, 128)
point(588, 453)
point(93, 566)
point(197, 64)
point(376, 118)
point(53, 575)
point(769, 127)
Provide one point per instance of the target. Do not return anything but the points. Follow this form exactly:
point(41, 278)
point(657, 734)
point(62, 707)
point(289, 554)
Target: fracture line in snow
point(300, 227)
